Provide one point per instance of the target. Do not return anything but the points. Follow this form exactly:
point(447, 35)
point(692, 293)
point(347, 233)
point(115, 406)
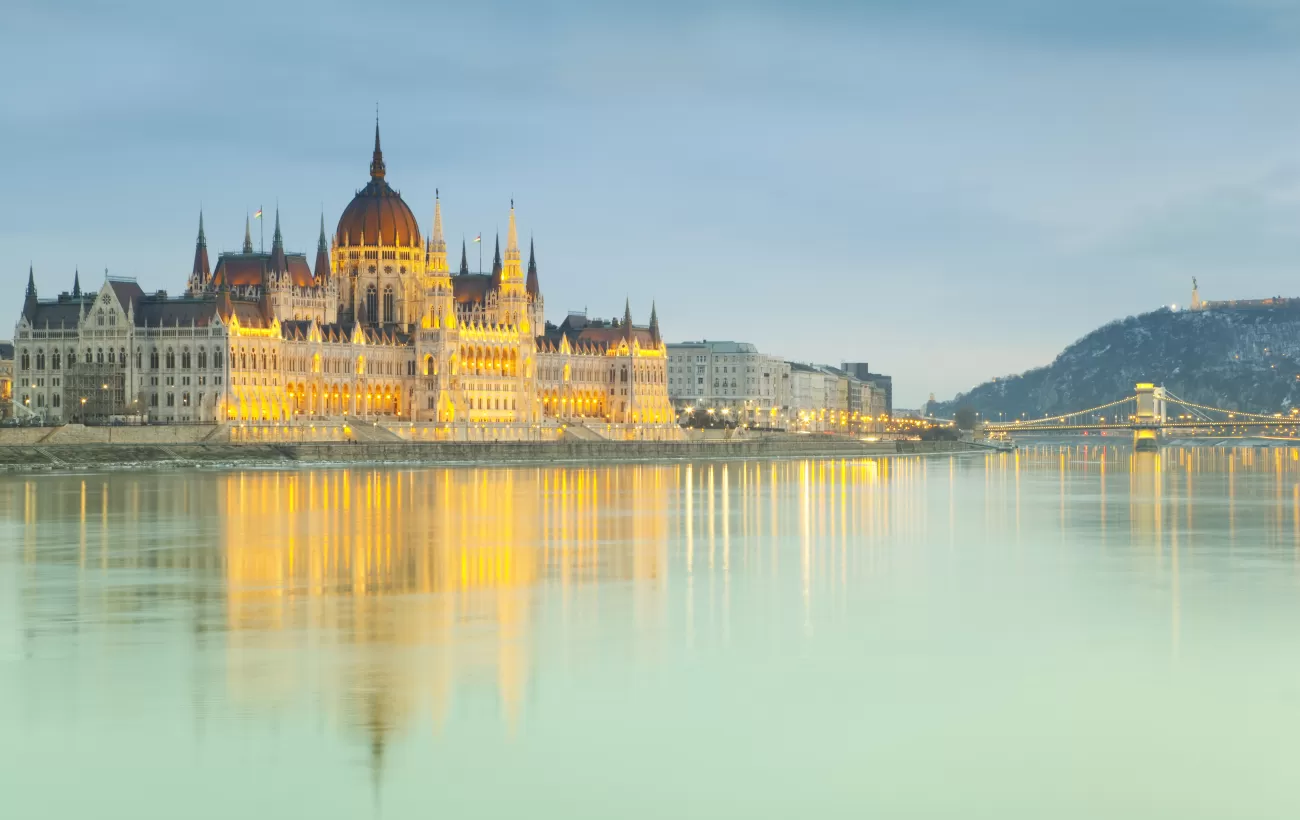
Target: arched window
point(203, 359)
point(88, 358)
point(138, 354)
point(56, 400)
point(112, 320)
point(72, 356)
point(263, 359)
point(99, 355)
point(390, 308)
point(40, 359)
point(216, 357)
point(372, 304)
point(55, 359)
point(99, 317)
point(112, 357)
point(275, 361)
point(185, 358)
point(121, 356)
point(153, 358)
point(171, 359)
point(243, 361)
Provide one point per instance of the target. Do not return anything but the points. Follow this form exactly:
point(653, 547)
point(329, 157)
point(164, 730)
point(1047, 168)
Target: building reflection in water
point(381, 597)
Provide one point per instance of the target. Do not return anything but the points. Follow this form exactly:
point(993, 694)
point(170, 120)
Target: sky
point(950, 190)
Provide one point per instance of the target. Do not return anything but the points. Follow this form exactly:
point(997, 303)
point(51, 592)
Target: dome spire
point(377, 160)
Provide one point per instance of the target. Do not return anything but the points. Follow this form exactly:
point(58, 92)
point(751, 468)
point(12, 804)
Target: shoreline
point(122, 457)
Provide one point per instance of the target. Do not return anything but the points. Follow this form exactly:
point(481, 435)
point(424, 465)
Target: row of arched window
point(108, 355)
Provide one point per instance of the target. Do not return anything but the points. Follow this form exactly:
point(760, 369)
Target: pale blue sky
point(949, 190)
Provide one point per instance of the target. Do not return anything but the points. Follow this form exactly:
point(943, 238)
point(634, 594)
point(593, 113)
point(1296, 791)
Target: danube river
point(1074, 633)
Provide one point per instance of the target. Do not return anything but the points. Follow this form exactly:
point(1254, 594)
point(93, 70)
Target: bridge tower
point(1150, 418)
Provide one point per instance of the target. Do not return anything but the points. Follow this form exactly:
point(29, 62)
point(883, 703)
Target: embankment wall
point(127, 455)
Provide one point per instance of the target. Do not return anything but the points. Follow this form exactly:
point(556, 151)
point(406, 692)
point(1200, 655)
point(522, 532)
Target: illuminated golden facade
point(380, 329)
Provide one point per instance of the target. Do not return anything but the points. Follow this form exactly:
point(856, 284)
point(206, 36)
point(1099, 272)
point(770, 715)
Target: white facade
point(731, 376)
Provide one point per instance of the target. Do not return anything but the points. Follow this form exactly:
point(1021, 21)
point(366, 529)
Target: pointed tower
point(654, 325)
point(248, 236)
point(76, 283)
point(496, 263)
point(536, 304)
point(201, 272)
point(278, 263)
point(534, 290)
point(627, 320)
point(508, 277)
point(511, 271)
point(322, 271)
point(437, 246)
point(29, 300)
point(464, 260)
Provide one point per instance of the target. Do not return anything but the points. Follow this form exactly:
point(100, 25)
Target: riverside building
point(733, 376)
point(378, 328)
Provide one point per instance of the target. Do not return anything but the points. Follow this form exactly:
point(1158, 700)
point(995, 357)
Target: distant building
point(862, 372)
point(753, 387)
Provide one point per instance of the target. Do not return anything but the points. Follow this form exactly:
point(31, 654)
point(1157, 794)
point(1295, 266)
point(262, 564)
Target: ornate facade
point(378, 328)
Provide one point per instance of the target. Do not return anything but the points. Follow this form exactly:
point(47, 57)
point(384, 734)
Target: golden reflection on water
point(421, 587)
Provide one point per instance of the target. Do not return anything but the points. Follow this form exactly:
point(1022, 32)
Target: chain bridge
point(1150, 413)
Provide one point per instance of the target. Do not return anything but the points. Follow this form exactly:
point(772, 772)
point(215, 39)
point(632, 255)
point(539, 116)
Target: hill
point(1240, 359)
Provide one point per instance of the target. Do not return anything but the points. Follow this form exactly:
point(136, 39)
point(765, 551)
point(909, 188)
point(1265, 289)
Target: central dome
point(377, 213)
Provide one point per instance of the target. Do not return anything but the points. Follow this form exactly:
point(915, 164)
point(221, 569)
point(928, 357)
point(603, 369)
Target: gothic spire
point(437, 245)
point(512, 233)
point(464, 260)
point(377, 160)
point(654, 324)
point(201, 271)
point(322, 271)
point(248, 236)
point(278, 263)
point(496, 263)
point(627, 319)
point(76, 282)
point(533, 288)
point(29, 302)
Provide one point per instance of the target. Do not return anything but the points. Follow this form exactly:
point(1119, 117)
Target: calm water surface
point(1079, 633)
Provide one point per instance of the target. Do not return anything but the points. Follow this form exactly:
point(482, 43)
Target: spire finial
point(377, 160)
point(203, 240)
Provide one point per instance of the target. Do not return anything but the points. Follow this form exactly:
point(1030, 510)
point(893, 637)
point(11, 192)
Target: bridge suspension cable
point(1029, 423)
point(1262, 416)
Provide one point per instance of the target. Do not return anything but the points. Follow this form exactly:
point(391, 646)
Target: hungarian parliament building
point(378, 329)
